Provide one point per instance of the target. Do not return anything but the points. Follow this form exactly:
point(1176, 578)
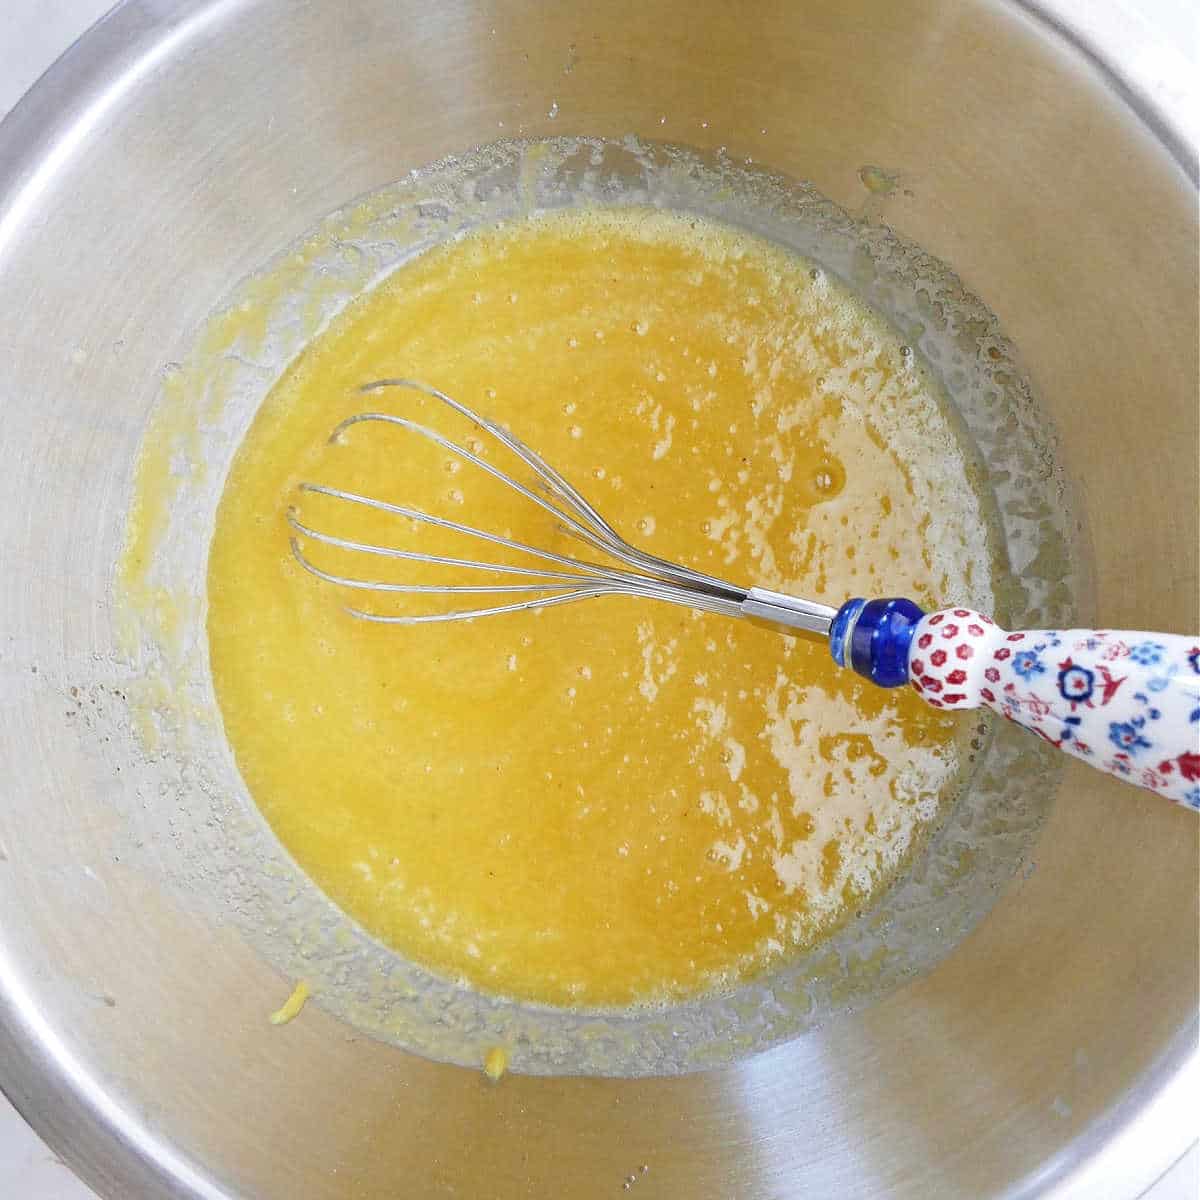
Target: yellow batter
point(614, 801)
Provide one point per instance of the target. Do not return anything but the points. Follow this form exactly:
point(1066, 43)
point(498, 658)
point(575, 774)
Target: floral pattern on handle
point(1128, 703)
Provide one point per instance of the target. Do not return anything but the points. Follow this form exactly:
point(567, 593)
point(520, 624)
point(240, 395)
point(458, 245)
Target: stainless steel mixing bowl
point(180, 145)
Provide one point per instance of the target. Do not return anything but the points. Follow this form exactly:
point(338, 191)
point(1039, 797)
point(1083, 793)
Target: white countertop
point(33, 33)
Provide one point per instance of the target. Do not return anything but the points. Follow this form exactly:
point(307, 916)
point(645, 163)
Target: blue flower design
point(1026, 663)
point(1194, 659)
point(1192, 798)
point(1127, 736)
point(1147, 654)
point(1076, 684)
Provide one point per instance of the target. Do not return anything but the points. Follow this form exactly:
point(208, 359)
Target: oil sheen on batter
point(616, 801)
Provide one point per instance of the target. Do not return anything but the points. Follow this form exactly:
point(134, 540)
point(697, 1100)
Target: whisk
point(1126, 702)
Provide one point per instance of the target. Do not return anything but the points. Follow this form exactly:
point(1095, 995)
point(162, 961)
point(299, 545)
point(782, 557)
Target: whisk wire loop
point(640, 574)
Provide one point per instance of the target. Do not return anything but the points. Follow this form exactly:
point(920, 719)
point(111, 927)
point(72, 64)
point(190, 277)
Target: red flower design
point(955, 697)
point(987, 694)
point(917, 667)
point(964, 651)
point(950, 631)
point(1189, 765)
point(938, 657)
point(957, 677)
point(992, 675)
point(1110, 684)
point(961, 612)
point(937, 618)
point(934, 685)
point(1015, 637)
point(924, 640)
point(1002, 653)
point(975, 630)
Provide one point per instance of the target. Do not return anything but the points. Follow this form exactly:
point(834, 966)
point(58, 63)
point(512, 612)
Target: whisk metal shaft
point(548, 578)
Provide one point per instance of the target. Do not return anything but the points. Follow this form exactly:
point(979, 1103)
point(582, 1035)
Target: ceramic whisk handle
point(1127, 703)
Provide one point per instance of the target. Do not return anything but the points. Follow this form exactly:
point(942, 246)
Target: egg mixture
point(617, 801)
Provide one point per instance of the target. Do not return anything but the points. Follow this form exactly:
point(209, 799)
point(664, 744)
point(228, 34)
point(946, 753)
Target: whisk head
point(515, 575)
